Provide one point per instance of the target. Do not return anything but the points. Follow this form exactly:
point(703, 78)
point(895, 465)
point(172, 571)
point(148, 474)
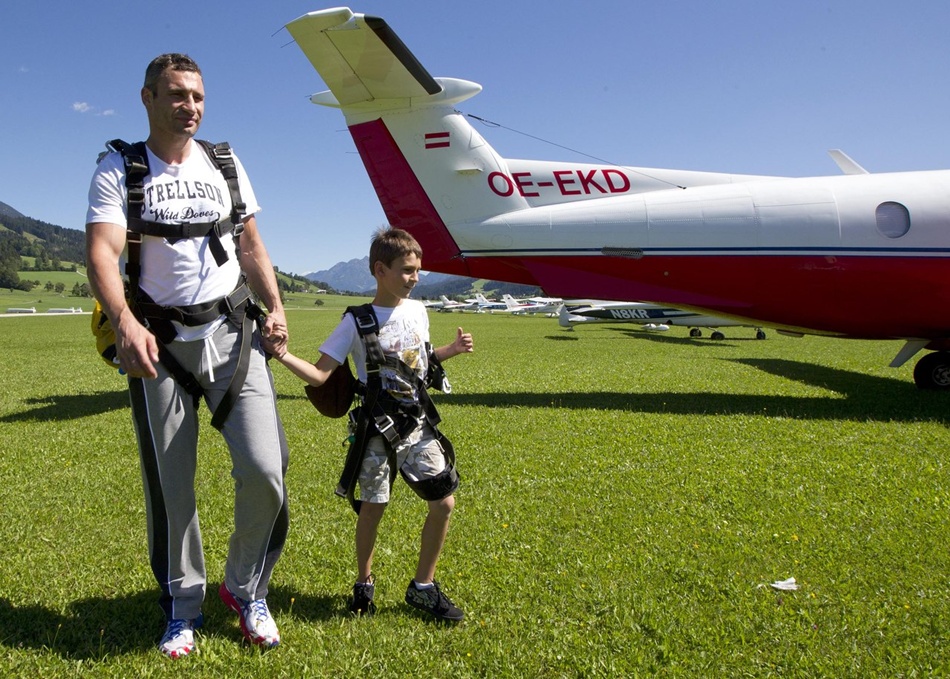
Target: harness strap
point(223, 158)
point(196, 314)
point(135, 158)
point(246, 315)
point(180, 375)
point(253, 314)
point(372, 417)
point(157, 318)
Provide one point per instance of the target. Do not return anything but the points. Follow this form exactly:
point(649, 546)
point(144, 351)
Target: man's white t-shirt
point(176, 272)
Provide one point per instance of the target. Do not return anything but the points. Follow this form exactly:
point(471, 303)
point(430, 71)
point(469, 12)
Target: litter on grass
point(784, 585)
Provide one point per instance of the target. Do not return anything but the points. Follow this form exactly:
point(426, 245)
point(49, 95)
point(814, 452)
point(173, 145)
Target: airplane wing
point(359, 57)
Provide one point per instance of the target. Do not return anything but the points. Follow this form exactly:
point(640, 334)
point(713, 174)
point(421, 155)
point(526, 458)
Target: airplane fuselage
point(793, 253)
point(858, 255)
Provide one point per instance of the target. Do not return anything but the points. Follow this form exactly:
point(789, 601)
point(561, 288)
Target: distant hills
point(7, 211)
point(353, 276)
point(27, 243)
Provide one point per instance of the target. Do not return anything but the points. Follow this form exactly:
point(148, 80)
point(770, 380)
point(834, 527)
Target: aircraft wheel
point(717, 336)
point(695, 332)
point(933, 371)
point(760, 334)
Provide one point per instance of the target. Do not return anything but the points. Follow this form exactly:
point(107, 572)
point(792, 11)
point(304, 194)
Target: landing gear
point(933, 371)
point(717, 335)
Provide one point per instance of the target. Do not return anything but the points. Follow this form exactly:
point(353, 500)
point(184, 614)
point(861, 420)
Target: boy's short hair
point(173, 60)
point(388, 244)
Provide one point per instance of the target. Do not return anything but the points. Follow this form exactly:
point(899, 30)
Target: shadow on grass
point(93, 628)
point(69, 406)
point(856, 397)
point(705, 340)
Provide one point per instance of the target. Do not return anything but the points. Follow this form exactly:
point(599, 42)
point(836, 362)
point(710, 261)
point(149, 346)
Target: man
point(187, 325)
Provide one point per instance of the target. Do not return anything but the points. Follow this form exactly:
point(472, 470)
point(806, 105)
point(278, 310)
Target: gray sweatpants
point(166, 425)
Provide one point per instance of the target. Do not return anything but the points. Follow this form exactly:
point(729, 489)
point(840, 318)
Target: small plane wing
point(359, 57)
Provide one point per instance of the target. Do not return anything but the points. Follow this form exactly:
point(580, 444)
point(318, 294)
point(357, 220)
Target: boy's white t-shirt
point(176, 272)
point(403, 332)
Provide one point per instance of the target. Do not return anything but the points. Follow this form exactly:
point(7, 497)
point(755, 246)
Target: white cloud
point(85, 107)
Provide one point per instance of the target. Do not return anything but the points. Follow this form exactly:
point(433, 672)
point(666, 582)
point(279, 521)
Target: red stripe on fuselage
point(403, 199)
point(861, 297)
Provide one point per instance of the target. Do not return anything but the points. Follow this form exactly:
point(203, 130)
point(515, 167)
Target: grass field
point(42, 301)
point(626, 500)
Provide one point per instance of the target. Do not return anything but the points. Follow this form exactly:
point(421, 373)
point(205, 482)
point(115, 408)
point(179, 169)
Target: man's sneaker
point(362, 601)
point(256, 621)
point(179, 638)
point(433, 601)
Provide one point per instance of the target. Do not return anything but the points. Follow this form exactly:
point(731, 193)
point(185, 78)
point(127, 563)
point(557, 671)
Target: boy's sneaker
point(362, 601)
point(179, 638)
point(433, 601)
point(256, 622)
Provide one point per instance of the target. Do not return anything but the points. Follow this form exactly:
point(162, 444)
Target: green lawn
point(626, 500)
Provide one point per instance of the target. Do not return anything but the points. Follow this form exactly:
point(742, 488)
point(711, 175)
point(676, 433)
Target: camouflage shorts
point(419, 456)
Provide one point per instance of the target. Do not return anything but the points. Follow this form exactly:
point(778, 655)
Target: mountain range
point(354, 276)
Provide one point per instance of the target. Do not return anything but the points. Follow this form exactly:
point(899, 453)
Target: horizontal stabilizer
point(359, 57)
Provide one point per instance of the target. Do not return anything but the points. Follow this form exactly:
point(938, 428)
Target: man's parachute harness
point(379, 413)
point(239, 306)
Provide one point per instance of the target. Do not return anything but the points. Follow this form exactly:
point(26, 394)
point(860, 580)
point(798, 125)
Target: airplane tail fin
point(417, 149)
point(435, 175)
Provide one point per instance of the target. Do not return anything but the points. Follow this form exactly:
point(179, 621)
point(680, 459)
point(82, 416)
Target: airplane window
point(893, 219)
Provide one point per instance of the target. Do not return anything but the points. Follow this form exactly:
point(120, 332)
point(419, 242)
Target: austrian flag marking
point(437, 140)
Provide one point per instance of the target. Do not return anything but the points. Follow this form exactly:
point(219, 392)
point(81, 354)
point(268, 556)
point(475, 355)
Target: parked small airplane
point(651, 316)
point(449, 305)
point(489, 305)
point(858, 255)
point(550, 305)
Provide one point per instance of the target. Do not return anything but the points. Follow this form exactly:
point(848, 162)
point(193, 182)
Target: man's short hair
point(173, 60)
point(388, 244)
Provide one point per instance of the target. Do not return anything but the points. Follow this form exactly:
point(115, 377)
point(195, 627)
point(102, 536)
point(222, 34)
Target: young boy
point(395, 259)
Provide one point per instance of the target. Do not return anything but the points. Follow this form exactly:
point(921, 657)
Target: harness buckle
point(237, 294)
point(366, 322)
point(384, 425)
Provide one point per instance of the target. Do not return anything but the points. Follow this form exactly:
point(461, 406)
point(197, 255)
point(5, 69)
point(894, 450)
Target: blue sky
point(745, 86)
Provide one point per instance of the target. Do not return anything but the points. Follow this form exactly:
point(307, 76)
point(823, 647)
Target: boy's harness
point(381, 414)
point(239, 306)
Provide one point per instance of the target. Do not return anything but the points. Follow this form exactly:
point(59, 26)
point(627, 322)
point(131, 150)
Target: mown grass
point(627, 498)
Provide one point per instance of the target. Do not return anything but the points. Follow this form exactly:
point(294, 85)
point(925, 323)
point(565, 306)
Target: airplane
point(534, 305)
point(447, 305)
point(653, 317)
point(856, 255)
point(489, 305)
